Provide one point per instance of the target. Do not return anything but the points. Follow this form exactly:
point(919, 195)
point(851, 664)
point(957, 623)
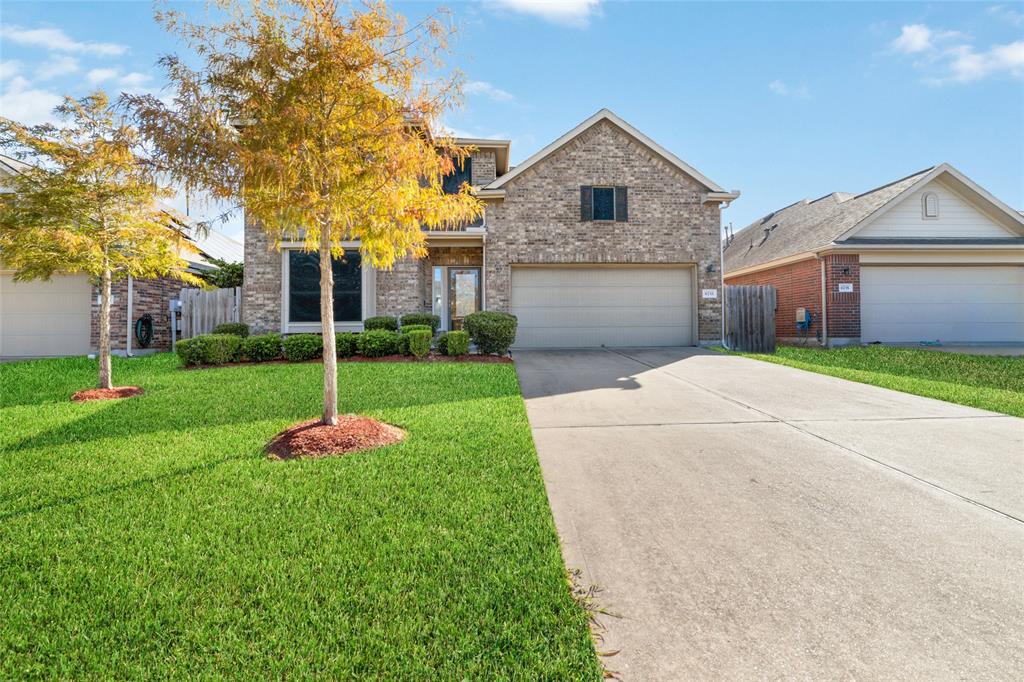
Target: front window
point(451, 184)
point(304, 287)
point(604, 203)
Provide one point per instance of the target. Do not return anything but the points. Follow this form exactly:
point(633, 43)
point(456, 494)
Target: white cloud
point(134, 80)
point(56, 40)
point(960, 62)
point(58, 65)
point(100, 75)
point(784, 90)
point(574, 13)
point(1006, 14)
point(966, 65)
point(485, 88)
point(918, 38)
point(9, 68)
point(22, 103)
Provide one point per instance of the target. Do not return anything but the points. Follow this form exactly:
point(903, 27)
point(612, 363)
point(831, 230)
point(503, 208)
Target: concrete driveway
point(749, 520)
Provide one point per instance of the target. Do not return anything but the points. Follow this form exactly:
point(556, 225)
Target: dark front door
point(463, 294)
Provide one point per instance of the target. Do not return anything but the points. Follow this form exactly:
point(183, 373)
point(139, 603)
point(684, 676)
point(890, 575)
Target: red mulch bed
point(352, 434)
point(107, 393)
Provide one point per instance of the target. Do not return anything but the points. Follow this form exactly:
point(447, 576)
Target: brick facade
point(151, 296)
point(539, 222)
point(798, 285)
point(407, 287)
point(843, 308)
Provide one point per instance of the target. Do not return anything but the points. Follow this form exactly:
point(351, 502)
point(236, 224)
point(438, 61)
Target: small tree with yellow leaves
point(317, 118)
point(86, 202)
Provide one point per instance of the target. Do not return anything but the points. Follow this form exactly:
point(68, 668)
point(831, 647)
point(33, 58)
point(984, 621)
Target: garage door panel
point(600, 297)
point(949, 304)
point(43, 318)
point(566, 307)
point(582, 337)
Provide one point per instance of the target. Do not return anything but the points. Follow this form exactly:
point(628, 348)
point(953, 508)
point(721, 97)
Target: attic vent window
point(930, 205)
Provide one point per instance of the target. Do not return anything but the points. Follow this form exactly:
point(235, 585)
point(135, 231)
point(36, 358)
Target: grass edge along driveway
point(151, 537)
point(987, 382)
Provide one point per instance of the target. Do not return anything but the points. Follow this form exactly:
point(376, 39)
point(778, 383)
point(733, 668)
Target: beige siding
point(581, 307)
point(957, 219)
point(44, 318)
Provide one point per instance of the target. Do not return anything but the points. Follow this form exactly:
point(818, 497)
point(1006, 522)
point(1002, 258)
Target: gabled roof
point(807, 226)
point(607, 115)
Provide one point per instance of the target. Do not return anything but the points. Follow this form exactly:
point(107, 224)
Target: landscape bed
point(153, 537)
point(984, 381)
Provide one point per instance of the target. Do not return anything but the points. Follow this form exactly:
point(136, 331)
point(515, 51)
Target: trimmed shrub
point(209, 349)
point(433, 321)
point(492, 332)
point(416, 327)
point(236, 328)
point(455, 343)
point(262, 347)
point(345, 344)
point(419, 342)
point(381, 322)
point(377, 343)
point(301, 347)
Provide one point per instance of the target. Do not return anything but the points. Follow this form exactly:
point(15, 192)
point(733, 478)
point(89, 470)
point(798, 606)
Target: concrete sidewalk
point(749, 520)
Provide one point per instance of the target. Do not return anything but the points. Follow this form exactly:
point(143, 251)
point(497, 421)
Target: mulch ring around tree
point(107, 393)
point(351, 434)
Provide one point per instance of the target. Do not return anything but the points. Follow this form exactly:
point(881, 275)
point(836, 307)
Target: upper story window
point(603, 203)
point(930, 205)
point(463, 173)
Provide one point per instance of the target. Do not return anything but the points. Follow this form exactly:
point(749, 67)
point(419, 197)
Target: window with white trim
point(930, 205)
point(304, 287)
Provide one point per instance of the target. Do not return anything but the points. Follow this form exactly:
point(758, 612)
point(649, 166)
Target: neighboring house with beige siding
point(601, 238)
point(933, 257)
point(60, 316)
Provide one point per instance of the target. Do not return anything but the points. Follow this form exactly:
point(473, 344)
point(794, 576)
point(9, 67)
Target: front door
point(463, 294)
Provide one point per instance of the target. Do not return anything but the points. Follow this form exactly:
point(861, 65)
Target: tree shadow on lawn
point(288, 393)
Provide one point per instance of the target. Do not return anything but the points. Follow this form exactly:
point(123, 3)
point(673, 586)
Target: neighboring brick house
point(132, 298)
point(601, 238)
point(60, 316)
point(932, 257)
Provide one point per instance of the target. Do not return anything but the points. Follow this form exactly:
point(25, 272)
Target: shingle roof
point(808, 225)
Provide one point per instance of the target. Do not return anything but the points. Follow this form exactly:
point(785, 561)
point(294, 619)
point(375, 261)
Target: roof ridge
point(890, 184)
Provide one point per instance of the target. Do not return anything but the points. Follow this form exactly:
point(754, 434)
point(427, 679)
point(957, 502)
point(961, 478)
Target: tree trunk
point(104, 372)
point(330, 415)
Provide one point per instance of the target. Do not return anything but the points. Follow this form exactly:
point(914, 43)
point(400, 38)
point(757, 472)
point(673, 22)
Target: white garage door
point(44, 318)
point(949, 304)
point(585, 307)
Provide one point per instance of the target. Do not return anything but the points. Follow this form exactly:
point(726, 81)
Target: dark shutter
point(621, 205)
point(586, 203)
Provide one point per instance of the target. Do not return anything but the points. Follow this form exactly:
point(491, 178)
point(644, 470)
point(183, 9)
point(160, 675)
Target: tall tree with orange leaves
point(316, 117)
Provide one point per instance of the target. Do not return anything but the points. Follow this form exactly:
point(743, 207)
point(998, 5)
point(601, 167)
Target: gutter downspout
point(128, 338)
point(824, 306)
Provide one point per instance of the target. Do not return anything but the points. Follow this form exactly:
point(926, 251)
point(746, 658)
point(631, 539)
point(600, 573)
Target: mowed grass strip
point(151, 537)
point(988, 382)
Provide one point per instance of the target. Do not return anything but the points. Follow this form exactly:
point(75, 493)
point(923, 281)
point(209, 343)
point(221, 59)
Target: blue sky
point(779, 100)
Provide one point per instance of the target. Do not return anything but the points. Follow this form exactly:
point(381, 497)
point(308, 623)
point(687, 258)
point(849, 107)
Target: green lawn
point(151, 537)
point(985, 381)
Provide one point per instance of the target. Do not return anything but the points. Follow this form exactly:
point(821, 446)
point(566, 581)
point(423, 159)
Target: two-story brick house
point(601, 238)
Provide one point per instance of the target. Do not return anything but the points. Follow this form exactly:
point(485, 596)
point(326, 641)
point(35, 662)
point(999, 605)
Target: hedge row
point(492, 332)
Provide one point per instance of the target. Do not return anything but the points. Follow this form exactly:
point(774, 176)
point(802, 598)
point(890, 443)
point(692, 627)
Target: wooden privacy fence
point(204, 309)
point(750, 318)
